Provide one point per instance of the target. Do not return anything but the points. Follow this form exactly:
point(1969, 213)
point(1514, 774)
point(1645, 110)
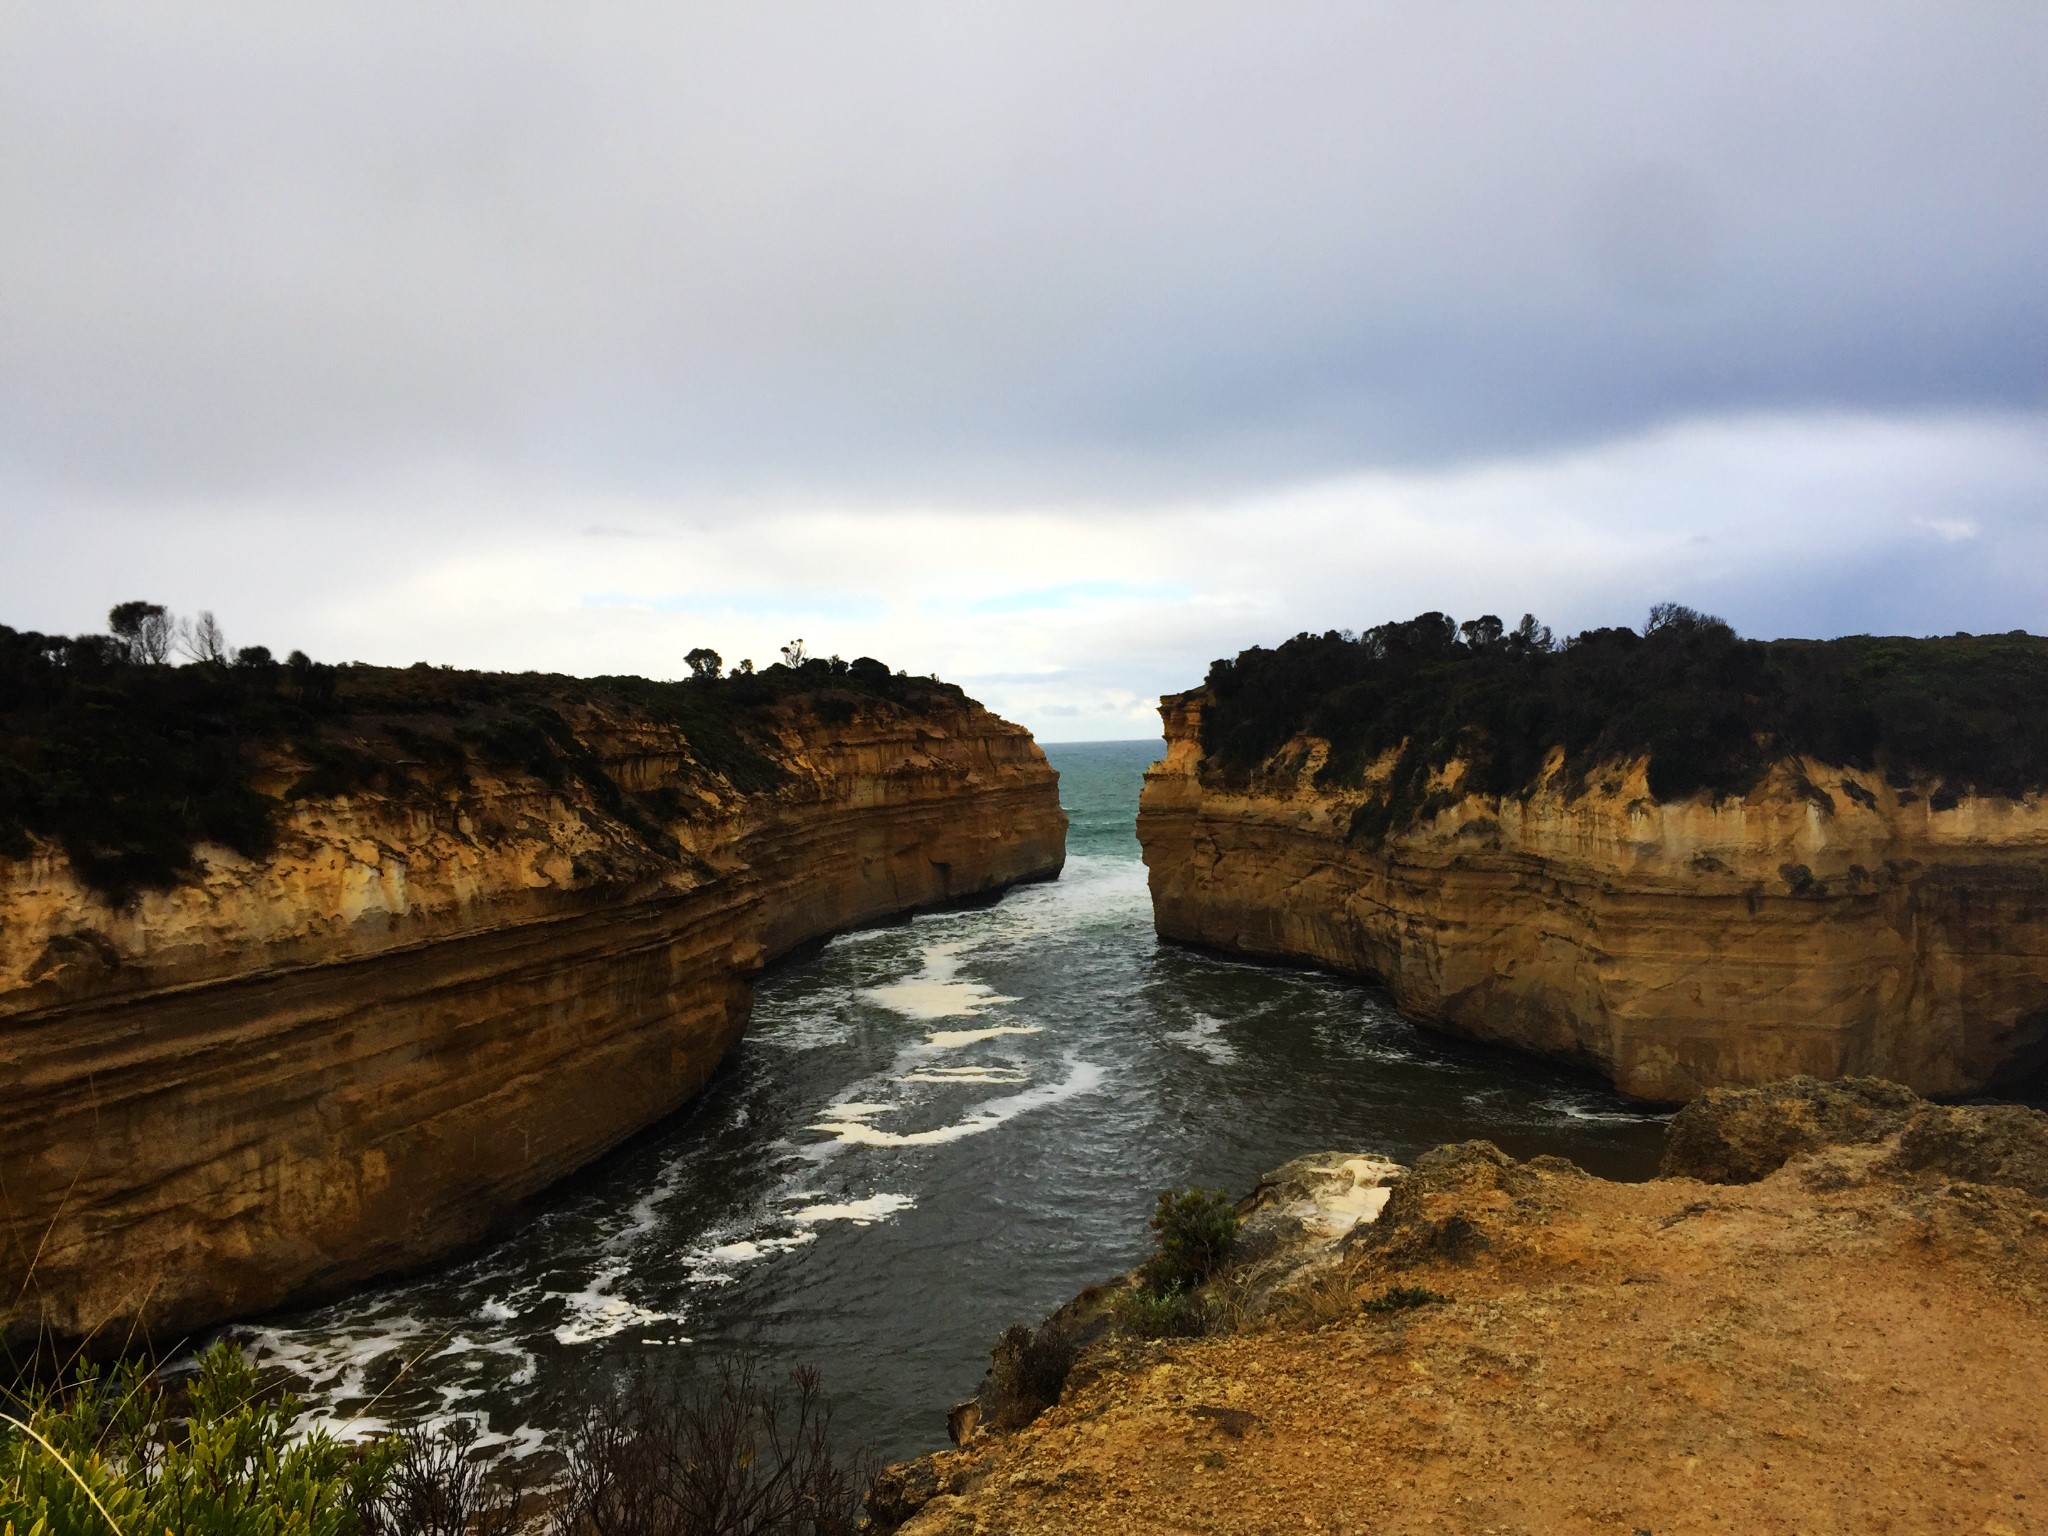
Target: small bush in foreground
point(106, 1455)
point(435, 1487)
point(1196, 1230)
point(728, 1458)
point(114, 1454)
point(1150, 1314)
point(1028, 1373)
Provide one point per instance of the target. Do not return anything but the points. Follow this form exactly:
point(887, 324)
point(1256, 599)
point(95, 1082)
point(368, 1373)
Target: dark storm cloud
point(1042, 249)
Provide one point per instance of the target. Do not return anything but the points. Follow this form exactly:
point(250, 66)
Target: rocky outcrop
point(1484, 1348)
point(1732, 1136)
point(288, 1075)
point(1828, 923)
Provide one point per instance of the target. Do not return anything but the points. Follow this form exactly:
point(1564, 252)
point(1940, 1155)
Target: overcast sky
point(1054, 348)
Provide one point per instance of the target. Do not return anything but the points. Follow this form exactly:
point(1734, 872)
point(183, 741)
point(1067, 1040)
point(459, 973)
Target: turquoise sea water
point(931, 1131)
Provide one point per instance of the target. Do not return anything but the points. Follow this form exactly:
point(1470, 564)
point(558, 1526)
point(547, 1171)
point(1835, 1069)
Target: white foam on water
point(514, 1446)
point(966, 1075)
point(462, 1345)
point(1205, 1038)
point(920, 999)
point(951, 1039)
point(595, 1313)
point(1082, 1077)
point(644, 1214)
point(857, 936)
point(935, 992)
point(496, 1311)
point(745, 1250)
point(1573, 1111)
point(861, 1212)
point(526, 1439)
point(855, 1111)
point(336, 1366)
point(459, 1345)
point(803, 1032)
point(1386, 1053)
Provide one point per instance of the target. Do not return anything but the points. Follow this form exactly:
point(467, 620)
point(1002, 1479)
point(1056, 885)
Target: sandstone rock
point(1675, 947)
point(1990, 1144)
point(1737, 1136)
point(285, 1077)
point(963, 1419)
point(899, 1492)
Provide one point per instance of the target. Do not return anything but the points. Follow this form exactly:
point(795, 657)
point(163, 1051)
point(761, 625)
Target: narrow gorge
point(499, 926)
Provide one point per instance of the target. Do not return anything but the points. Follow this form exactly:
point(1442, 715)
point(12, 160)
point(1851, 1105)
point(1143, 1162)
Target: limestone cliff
point(1828, 921)
point(1494, 1346)
point(291, 1073)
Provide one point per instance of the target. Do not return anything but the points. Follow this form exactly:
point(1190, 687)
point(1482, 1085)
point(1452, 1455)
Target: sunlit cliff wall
point(290, 1075)
point(1825, 923)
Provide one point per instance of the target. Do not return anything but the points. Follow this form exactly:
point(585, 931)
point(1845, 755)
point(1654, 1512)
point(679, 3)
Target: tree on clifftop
point(705, 663)
point(146, 629)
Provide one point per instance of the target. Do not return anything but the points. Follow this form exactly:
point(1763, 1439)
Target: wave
point(1082, 1077)
point(952, 1039)
point(1205, 1038)
point(1580, 1112)
point(861, 1212)
point(594, 1313)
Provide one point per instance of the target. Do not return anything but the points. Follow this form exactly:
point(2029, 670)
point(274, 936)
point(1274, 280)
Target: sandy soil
point(1841, 1347)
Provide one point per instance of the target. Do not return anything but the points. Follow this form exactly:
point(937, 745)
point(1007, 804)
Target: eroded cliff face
point(1827, 923)
point(292, 1074)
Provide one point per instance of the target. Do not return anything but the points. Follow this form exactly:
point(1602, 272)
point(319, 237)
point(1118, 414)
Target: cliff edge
point(1562, 887)
point(490, 928)
point(1850, 1340)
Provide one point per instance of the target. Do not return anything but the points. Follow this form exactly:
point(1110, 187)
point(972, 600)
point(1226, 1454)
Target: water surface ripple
point(930, 1132)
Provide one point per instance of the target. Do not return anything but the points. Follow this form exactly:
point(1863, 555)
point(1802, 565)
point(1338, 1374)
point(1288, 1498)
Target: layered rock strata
point(1829, 922)
point(290, 1075)
point(1506, 1346)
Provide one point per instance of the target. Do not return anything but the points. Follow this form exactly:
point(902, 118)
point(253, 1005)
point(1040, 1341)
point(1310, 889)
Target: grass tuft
point(1399, 1298)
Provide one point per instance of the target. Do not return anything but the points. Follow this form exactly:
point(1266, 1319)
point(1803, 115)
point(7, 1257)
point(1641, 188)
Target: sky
point(1056, 349)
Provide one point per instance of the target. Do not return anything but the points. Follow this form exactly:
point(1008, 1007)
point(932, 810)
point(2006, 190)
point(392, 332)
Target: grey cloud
point(1055, 250)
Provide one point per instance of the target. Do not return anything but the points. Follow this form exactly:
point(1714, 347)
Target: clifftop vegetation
point(128, 761)
point(1711, 711)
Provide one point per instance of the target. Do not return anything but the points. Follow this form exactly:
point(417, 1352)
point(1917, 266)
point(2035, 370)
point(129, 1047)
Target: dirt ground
point(1842, 1347)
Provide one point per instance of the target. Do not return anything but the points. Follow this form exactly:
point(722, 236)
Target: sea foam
point(1082, 1077)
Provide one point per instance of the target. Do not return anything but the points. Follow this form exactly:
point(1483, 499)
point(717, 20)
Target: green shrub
point(106, 1455)
point(1195, 1229)
point(114, 1454)
point(1151, 1314)
point(1027, 1373)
